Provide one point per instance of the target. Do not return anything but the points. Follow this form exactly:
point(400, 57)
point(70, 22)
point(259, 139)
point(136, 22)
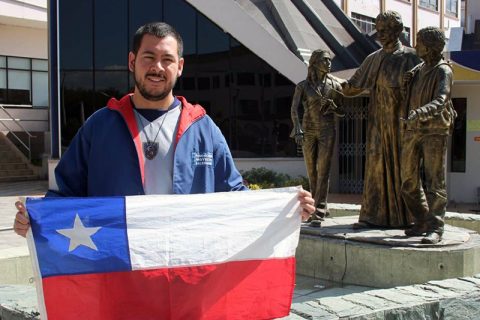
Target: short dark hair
point(433, 38)
point(159, 30)
point(392, 19)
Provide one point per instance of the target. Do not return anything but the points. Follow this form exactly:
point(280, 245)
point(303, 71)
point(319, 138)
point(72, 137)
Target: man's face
point(156, 67)
point(324, 63)
point(386, 35)
point(422, 50)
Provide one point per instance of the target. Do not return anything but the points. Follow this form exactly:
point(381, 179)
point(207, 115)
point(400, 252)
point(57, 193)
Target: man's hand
point(21, 224)
point(306, 203)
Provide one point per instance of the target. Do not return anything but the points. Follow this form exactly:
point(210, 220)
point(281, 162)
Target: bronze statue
point(382, 74)
point(319, 96)
point(430, 120)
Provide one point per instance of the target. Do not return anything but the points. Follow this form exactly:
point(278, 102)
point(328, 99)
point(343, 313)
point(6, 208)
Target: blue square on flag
point(78, 236)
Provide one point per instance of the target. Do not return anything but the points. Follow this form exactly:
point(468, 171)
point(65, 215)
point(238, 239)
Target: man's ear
point(180, 67)
point(131, 61)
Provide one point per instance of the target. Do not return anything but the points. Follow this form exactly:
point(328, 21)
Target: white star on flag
point(79, 235)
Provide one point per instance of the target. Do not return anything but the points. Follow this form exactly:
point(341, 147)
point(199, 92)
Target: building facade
point(464, 150)
point(243, 59)
point(416, 14)
point(24, 74)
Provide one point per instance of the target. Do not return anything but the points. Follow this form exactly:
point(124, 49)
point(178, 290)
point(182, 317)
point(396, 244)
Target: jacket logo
point(202, 159)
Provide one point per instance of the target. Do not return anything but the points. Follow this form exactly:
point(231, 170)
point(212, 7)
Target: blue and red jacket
point(105, 158)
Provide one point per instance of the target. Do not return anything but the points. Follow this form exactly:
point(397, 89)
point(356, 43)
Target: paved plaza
point(313, 298)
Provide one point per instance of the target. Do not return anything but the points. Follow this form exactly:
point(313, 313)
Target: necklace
point(150, 148)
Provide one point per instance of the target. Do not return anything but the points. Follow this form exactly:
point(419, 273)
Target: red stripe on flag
point(255, 289)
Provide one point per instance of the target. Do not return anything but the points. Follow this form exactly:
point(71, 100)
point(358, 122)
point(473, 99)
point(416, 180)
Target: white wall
point(405, 10)
point(24, 10)
point(369, 8)
point(23, 42)
point(462, 187)
point(473, 13)
point(428, 18)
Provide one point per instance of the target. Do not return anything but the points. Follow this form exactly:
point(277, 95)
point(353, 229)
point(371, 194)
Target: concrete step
point(16, 172)
point(8, 156)
point(13, 166)
point(19, 178)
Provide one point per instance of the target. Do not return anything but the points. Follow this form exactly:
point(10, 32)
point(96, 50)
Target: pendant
point(150, 149)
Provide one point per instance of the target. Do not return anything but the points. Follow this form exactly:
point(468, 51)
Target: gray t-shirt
point(159, 170)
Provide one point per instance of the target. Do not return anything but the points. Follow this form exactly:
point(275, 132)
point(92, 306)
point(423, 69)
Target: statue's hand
point(412, 115)
point(333, 108)
point(422, 114)
point(299, 137)
point(407, 78)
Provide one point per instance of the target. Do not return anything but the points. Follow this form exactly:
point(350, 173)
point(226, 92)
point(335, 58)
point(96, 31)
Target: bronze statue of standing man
point(319, 96)
point(430, 120)
point(382, 74)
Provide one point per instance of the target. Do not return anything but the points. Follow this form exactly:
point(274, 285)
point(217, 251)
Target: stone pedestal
point(384, 258)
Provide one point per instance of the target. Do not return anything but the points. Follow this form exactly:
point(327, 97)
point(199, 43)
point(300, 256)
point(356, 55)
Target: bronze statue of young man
point(382, 74)
point(319, 96)
point(430, 120)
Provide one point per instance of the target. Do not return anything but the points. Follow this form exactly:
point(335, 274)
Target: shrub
point(263, 178)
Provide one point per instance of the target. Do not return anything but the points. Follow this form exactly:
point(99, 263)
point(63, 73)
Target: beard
point(153, 94)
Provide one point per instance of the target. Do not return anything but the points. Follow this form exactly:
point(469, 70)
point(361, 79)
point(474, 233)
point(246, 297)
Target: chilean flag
point(227, 255)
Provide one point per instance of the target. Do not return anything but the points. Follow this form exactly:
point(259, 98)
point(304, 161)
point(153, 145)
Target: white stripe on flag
point(187, 230)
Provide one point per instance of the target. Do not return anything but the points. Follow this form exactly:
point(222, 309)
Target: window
point(111, 49)
point(24, 81)
point(216, 82)
point(246, 97)
point(40, 89)
point(429, 4)
point(139, 15)
point(246, 79)
point(406, 34)
point(203, 83)
point(280, 80)
point(19, 80)
point(249, 107)
point(451, 7)
point(77, 98)
point(77, 51)
point(459, 136)
point(188, 83)
point(364, 23)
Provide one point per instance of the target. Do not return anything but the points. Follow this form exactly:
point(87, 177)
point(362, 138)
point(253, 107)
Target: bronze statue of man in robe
point(429, 122)
point(320, 99)
point(382, 74)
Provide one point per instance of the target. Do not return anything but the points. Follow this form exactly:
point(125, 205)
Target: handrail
point(17, 122)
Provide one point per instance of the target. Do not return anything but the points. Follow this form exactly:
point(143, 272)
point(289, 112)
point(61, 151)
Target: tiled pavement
point(9, 194)
point(313, 298)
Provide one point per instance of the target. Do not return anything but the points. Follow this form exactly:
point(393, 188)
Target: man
point(319, 97)
point(430, 120)
point(149, 142)
point(382, 74)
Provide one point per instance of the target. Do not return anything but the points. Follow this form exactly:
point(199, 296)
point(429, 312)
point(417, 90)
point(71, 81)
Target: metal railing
point(17, 122)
